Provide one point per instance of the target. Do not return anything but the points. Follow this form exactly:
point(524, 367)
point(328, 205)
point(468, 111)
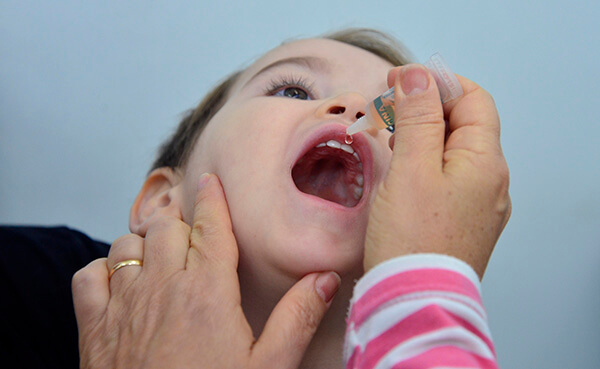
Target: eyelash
point(281, 82)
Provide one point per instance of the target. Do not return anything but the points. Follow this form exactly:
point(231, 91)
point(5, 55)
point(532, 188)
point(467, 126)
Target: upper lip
point(337, 131)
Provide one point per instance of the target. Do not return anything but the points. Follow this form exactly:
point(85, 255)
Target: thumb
point(212, 236)
point(420, 127)
point(295, 320)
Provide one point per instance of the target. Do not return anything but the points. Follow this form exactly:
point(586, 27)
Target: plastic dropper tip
point(360, 125)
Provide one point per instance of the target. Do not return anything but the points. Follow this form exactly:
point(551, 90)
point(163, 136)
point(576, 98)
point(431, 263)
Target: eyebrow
point(310, 62)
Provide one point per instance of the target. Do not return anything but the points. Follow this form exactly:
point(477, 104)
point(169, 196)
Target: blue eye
point(293, 92)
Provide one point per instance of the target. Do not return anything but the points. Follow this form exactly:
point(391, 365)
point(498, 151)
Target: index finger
point(473, 120)
point(212, 238)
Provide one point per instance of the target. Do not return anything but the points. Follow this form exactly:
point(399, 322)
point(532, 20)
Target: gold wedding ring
point(124, 264)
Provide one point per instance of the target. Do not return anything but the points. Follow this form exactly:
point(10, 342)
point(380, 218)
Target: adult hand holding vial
point(446, 190)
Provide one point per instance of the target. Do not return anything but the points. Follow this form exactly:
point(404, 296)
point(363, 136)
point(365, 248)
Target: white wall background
point(89, 89)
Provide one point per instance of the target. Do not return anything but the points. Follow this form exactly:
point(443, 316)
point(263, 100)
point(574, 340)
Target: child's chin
point(344, 258)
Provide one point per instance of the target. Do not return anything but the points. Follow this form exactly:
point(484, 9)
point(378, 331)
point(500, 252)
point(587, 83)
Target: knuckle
point(85, 276)
point(80, 279)
point(305, 313)
point(502, 178)
point(165, 224)
point(501, 184)
point(206, 230)
point(126, 240)
point(481, 94)
point(508, 212)
point(421, 116)
point(504, 174)
point(168, 229)
point(183, 227)
point(125, 247)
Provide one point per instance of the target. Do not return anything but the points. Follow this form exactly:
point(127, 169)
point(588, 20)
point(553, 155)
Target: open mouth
point(332, 171)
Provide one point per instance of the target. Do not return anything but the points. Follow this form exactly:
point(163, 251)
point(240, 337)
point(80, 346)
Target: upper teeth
point(337, 145)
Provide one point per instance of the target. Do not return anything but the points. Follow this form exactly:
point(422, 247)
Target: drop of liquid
point(349, 139)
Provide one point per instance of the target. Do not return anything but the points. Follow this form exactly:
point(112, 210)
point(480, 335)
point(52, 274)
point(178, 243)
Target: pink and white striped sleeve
point(418, 311)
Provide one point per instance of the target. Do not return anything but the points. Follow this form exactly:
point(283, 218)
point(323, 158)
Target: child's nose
point(349, 106)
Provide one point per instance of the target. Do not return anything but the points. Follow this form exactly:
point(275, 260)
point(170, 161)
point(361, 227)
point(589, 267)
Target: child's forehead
point(321, 46)
point(332, 53)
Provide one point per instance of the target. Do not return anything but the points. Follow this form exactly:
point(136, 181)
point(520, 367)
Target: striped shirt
point(418, 311)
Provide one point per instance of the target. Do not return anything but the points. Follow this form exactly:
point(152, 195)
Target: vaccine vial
point(379, 113)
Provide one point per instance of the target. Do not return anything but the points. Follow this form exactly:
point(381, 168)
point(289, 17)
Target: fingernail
point(327, 285)
point(203, 180)
point(414, 80)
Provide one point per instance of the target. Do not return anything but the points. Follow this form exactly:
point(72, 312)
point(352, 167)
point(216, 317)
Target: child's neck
point(325, 349)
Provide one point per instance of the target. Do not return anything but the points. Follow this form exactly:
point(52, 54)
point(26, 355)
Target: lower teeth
point(358, 191)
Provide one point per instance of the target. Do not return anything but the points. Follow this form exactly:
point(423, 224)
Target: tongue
point(325, 178)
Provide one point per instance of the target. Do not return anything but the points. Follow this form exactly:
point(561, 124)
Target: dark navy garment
point(38, 327)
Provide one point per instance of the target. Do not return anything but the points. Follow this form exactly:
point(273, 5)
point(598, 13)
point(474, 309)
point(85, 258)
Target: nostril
point(359, 115)
point(336, 110)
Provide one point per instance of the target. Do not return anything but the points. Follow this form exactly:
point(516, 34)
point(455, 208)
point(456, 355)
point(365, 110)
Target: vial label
point(385, 108)
point(348, 140)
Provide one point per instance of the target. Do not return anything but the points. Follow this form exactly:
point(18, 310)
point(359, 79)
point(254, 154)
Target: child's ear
point(160, 196)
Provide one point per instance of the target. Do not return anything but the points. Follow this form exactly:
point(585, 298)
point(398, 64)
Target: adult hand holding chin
point(447, 187)
point(182, 307)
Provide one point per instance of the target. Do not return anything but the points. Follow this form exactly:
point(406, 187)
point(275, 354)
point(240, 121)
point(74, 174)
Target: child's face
point(273, 117)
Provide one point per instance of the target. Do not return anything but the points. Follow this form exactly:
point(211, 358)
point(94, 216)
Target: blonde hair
point(175, 151)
